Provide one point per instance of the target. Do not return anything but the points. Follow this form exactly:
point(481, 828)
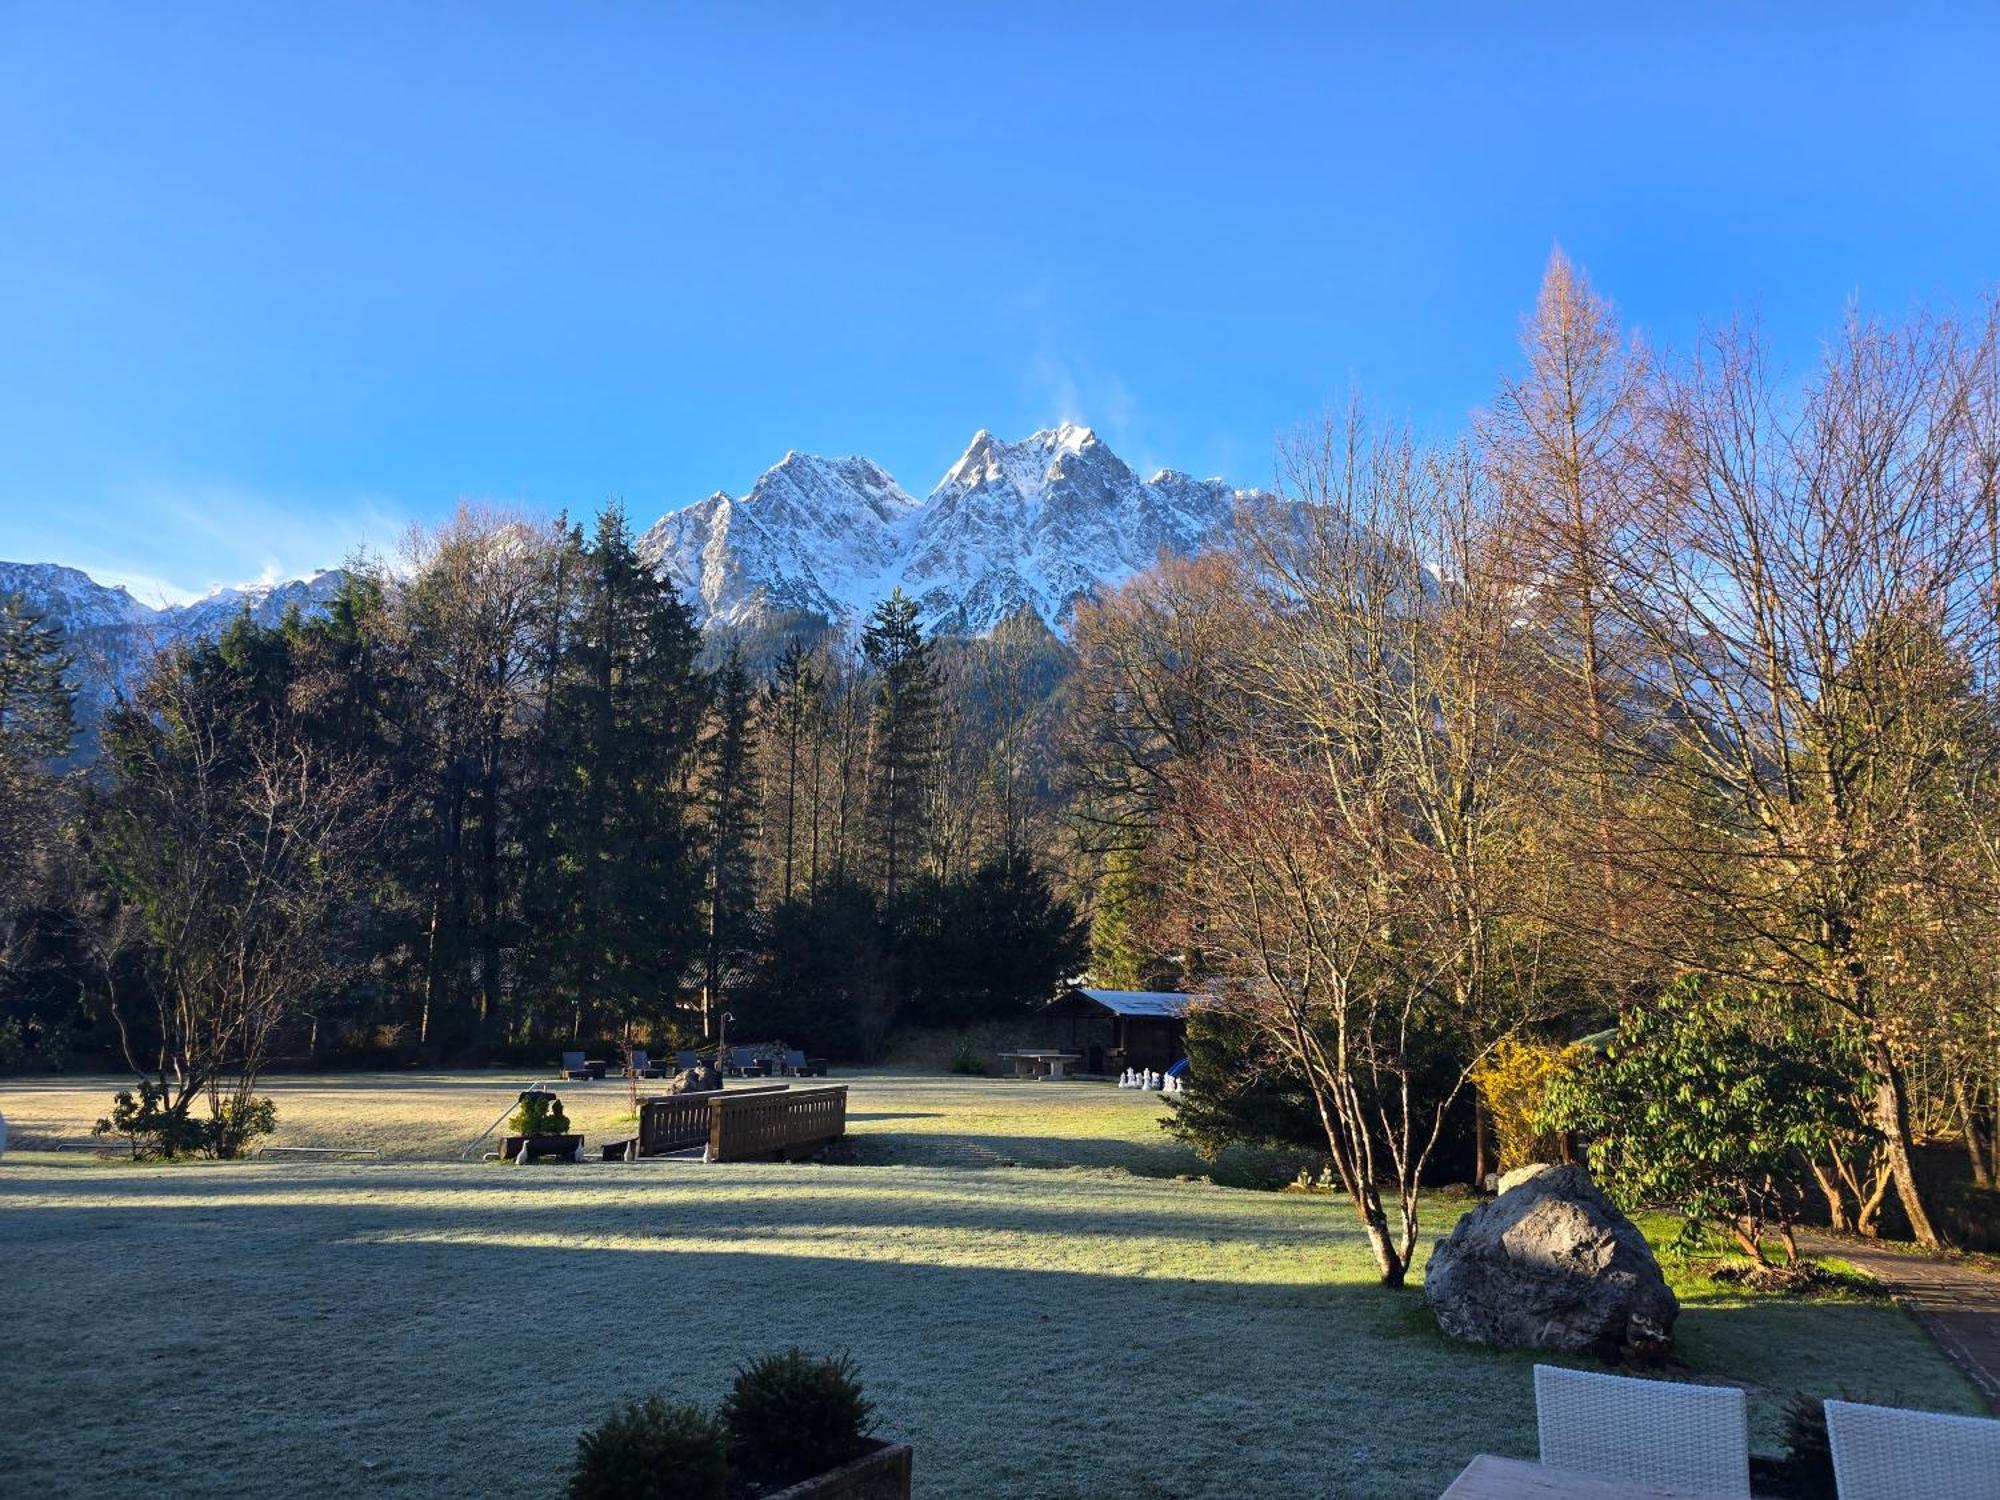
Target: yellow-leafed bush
point(1513, 1083)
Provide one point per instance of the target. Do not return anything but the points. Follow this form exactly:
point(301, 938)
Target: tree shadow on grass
point(455, 1327)
point(465, 1365)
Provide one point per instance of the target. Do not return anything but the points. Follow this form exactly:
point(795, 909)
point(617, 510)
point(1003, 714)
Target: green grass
point(440, 1329)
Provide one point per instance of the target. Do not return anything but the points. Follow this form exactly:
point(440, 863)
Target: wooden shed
point(1112, 1030)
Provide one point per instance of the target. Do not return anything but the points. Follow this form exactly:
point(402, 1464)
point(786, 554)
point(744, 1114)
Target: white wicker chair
point(1885, 1453)
point(1693, 1439)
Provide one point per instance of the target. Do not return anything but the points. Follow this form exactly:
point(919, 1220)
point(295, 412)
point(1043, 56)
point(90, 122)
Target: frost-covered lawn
point(892, 1117)
point(288, 1328)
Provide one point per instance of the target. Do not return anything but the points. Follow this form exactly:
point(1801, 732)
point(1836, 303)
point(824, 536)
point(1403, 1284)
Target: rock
point(698, 1079)
point(1551, 1264)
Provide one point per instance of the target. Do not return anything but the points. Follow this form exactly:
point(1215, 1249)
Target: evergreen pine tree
point(791, 704)
point(733, 805)
point(903, 738)
point(37, 726)
point(37, 720)
point(630, 705)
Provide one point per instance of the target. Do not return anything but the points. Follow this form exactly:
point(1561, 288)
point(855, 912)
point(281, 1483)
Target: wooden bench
point(679, 1122)
point(745, 1124)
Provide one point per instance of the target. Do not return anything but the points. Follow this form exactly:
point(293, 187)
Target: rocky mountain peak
point(1034, 524)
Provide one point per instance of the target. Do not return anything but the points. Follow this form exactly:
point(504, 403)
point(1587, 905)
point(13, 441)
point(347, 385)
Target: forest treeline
point(492, 799)
point(1647, 727)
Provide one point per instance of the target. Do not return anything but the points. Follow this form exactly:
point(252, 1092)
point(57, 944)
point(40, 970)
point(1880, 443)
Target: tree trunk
point(1837, 1217)
point(1892, 1118)
point(1376, 1225)
point(489, 887)
point(1975, 1135)
point(1479, 1168)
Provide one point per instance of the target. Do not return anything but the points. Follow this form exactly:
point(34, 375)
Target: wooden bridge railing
point(679, 1122)
point(744, 1125)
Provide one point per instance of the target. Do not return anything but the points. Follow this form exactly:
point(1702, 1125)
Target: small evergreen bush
point(1807, 1467)
point(966, 1059)
point(539, 1114)
point(652, 1450)
point(791, 1416)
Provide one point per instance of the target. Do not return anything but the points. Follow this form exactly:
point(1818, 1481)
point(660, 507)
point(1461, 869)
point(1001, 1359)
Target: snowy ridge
point(1035, 524)
point(111, 636)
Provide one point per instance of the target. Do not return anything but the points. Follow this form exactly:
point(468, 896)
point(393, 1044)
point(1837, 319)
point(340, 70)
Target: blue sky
point(275, 281)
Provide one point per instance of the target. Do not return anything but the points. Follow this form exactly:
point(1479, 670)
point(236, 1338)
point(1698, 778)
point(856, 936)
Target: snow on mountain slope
point(111, 636)
point(1038, 524)
point(265, 603)
point(812, 534)
point(78, 601)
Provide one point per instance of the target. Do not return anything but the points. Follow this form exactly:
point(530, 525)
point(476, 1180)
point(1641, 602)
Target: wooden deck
point(744, 1126)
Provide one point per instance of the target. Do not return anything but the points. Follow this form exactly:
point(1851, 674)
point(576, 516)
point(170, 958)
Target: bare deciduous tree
point(237, 852)
point(1806, 594)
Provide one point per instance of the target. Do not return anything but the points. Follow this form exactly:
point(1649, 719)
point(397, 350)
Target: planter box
point(883, 1473)
point(563, 1147)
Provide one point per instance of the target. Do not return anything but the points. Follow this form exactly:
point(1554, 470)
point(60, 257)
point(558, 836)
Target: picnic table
point(1035, 1063)
point(1490, 1478)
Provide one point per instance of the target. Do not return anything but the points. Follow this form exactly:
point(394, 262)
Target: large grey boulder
point(1551, 1264)
point(702, 1078)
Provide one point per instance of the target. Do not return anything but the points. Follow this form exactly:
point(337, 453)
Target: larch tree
point(241, 848)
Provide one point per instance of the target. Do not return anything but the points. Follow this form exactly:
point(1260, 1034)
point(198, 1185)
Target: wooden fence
point(744, 1124)
point(679, 1122)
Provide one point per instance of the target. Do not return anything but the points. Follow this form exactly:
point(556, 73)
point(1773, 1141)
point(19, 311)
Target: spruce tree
point(733, 803)
point(630, 706)
point(791, 704)
point(903, 738)
point(37, 720)
point(37, 727)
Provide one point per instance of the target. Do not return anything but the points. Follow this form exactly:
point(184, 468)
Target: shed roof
point(1167, 1004)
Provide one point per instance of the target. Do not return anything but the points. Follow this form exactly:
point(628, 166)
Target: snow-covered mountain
point(1039, 523)
point(112, 636)
point(1036, 524)
point(812, 534)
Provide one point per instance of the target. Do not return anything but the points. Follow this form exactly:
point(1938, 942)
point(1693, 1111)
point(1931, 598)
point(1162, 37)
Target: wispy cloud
point(189, 539)
point(1071, 387)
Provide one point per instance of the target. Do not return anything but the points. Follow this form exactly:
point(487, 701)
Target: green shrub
point(1710, 1102)
point(651, 1450)
point(539, 1114)
point(791, 1416)
point(153, 1128)
point(1806, 1470)
point(236, 1123)
point(966, 1059)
